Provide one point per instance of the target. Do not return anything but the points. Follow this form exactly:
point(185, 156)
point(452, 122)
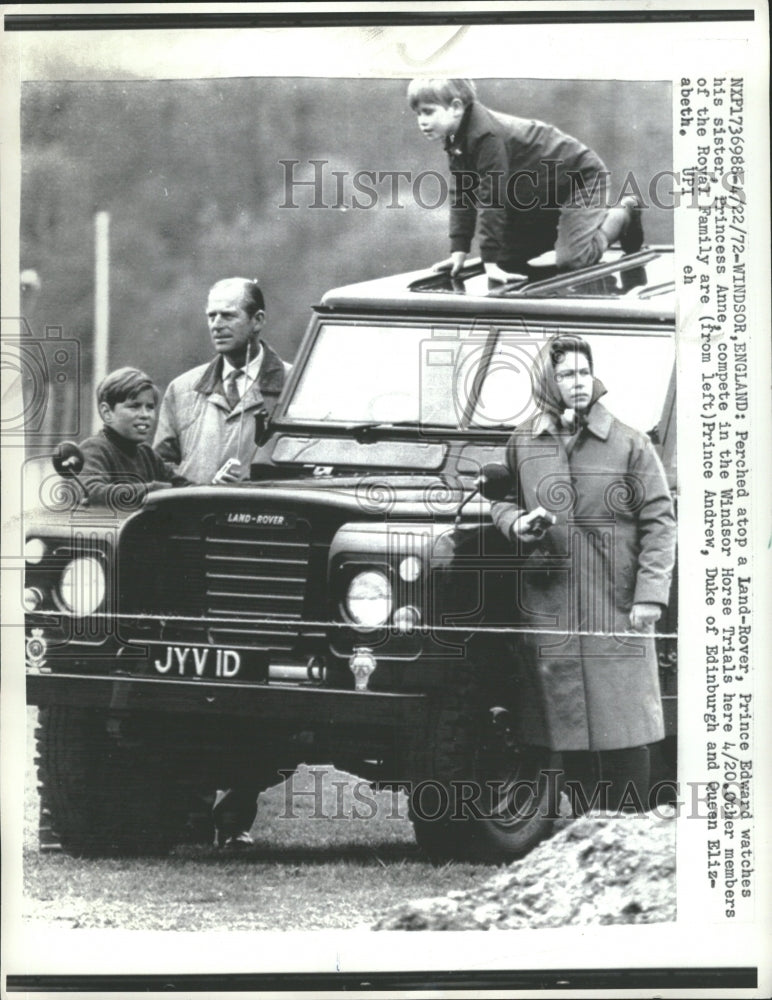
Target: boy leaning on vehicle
point(120, 467)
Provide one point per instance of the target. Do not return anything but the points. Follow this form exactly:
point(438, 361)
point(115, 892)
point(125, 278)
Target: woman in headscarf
point(592, 585)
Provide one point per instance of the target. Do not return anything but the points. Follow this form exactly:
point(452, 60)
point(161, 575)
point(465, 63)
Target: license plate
point(198, 661)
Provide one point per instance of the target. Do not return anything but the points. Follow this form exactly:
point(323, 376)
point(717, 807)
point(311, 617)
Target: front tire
point(479, 796)
point(101, 799)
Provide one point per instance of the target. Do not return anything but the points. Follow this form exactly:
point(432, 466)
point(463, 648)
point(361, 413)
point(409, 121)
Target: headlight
point(368, 600)
point(82, 587)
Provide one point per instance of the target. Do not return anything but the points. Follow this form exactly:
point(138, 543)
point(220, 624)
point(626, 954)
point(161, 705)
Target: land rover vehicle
point(347, 604)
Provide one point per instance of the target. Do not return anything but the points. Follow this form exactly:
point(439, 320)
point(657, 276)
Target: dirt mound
point(596, 870)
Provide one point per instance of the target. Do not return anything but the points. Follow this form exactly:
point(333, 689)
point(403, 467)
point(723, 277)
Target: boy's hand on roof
point(495, 273)
point(454, 263)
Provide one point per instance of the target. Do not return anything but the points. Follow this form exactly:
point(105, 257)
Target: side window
point(636, 370)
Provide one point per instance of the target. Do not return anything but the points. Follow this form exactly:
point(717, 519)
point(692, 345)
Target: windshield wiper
point(365, 432)
point(477, 428)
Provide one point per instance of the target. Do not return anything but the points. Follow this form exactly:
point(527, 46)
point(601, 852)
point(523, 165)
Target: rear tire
point(100, 798)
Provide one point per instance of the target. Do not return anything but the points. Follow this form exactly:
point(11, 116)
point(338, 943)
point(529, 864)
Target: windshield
point(362, 373)
point(476, 377)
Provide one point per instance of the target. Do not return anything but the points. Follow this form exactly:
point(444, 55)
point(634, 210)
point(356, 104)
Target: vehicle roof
point(639, 287)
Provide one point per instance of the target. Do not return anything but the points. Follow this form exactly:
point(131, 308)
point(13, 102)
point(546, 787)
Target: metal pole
point(101, 305)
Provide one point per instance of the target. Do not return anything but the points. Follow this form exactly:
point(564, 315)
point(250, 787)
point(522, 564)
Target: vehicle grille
point(226, 585)
point(253, 576)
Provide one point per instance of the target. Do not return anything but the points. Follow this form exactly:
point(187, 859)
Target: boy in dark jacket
point(120, 467)
point(526, 186)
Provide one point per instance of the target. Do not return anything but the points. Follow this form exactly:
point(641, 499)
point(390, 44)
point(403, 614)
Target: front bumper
point(305, 706)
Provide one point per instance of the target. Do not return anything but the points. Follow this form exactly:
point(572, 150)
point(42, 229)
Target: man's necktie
point(231, 388)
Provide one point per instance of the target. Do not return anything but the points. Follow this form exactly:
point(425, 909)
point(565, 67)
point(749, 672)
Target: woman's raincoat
point(592, 686)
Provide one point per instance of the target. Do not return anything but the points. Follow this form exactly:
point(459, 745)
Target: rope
point(297, 626)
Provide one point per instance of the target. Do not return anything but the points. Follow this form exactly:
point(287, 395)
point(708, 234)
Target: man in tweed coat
point(208, 413)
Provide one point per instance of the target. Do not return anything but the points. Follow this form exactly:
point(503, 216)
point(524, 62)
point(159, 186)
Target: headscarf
point(546, 393)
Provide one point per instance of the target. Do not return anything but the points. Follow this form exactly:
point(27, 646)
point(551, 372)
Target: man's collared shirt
point(251, 371)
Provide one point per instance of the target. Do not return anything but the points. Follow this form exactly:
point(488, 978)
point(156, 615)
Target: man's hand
point(495, 273)
point(532, 525)
point(230, 472)
point(644, 616)
point(454, 263)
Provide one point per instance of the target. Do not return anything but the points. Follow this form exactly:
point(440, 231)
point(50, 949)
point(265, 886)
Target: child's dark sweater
point(117, 472)
point(495, 148)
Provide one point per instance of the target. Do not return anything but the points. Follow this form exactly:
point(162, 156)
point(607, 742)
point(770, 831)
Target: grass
point(305, 872)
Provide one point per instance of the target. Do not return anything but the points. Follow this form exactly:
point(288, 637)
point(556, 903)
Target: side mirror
point(494, 482)
point(68, 459)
